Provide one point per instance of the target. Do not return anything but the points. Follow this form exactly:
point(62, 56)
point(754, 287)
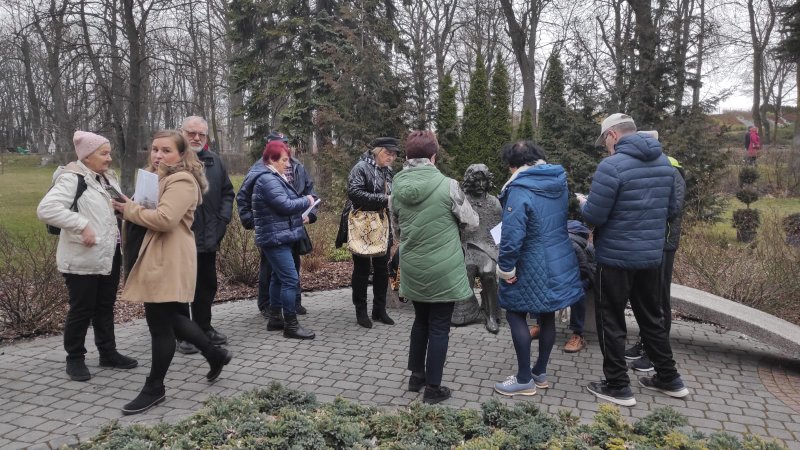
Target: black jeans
point(91, 301)
point(380, 280)
point(643, 288)
point(430, 336)
point(667, 262)
point(264, 275)
point(167, 321)
point(205, 290)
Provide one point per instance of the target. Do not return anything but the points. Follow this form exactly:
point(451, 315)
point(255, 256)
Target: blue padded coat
point(277, 210)
point(535, 243)
point(631, 197)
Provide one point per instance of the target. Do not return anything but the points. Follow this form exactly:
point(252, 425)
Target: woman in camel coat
point(164, 273)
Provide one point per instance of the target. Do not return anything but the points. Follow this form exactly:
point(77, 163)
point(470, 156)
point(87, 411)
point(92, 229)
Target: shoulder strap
point(81, 189)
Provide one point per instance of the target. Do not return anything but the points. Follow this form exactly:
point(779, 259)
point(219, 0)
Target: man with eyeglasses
point(631, 198)
point(211, 219)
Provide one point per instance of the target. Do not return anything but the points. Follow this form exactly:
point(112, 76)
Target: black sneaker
point(117, 361)
point(77, 370)
point(216, 337)
point(301, 310)
point(674, 388)
point(435, 395)
point(621, 396)
point(635, 352)
point(416, 382)
point(187, 348)
point(264, 313)
point(642, 364)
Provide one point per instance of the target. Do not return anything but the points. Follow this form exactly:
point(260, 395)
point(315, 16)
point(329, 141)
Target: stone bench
point(783, 335)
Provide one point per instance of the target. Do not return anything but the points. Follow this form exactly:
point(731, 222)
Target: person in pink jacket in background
point(752, 144)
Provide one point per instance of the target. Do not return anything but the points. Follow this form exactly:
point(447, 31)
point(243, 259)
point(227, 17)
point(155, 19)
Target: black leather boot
point(217, 358)
point(275, 321)
point(152, 394)
point(77, 370)
point(380, 315)
point(362, 317)
point(292, 328)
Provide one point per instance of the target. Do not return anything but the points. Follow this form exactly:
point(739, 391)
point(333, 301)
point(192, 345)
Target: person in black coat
point(369, 188)
point(210, 223)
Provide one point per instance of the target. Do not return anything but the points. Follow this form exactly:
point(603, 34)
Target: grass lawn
point(22, 185)
point(769, 207)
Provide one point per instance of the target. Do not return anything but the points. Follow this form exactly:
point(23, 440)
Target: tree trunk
point(37, 137)
point(698, 83)
point(647, 81)
point(524, 47)
point(759, 46)
point(796, 136)
point(133, 33)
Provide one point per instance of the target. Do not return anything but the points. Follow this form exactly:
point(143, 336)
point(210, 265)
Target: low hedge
point(279, 418)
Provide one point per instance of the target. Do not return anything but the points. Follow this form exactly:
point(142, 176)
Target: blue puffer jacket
point(535, 245)
point(631, 197)
point(277, 209)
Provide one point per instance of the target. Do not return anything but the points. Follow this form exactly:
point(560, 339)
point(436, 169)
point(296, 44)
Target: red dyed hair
point(273, 151)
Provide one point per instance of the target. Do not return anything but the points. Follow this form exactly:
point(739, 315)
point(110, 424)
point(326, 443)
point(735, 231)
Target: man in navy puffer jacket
point(630, 200)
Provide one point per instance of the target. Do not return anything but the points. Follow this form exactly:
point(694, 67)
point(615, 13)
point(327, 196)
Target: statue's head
point(477, 180)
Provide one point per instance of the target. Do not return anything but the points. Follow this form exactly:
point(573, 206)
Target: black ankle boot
point(217, 358)
point(275, 321)
point(380, 315)
point(292, 328)
point(362, 317)
point(77, 370)
point(152, 394)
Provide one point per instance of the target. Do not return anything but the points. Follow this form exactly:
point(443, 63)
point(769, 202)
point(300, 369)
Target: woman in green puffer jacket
point(427, 211)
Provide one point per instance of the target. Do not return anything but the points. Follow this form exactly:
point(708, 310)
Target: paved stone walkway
point(41, 408)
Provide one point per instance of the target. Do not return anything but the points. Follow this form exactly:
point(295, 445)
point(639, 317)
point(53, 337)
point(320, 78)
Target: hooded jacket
point(534, 244)
point(94, 209)
point(631, 197)
point(301, 182)
point(584, 251)
point(753, 143)
point(277, 210)
point(428, 209)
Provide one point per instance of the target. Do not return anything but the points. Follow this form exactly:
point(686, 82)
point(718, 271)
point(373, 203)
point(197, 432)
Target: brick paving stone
point(734, 381)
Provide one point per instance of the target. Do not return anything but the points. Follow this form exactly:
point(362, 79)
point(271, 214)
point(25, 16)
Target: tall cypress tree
point(554, 117)
point(501, 116)
point(447, 124)
point(476, 127)
point(525, 128)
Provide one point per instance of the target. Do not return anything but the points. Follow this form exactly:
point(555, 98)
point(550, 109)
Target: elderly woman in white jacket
point(88, 253)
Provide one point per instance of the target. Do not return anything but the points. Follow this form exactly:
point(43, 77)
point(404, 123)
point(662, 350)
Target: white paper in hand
point(308, 211)
point(146, 189)
point(496, 232)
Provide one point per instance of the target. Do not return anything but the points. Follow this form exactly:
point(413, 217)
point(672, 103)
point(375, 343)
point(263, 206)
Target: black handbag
point(303, 246)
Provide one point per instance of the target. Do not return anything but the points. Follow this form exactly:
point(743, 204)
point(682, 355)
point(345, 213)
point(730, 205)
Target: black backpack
point(74, 207)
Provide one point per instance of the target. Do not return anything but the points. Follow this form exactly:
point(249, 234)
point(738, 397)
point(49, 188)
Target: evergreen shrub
point(280, 418)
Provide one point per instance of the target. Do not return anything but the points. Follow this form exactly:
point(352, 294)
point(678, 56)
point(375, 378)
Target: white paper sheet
point(146, 189)
point(496, 232)
point(308, 211)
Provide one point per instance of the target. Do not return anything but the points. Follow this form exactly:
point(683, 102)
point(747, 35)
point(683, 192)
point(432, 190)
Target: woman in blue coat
point(278, 215)
point(537, 265)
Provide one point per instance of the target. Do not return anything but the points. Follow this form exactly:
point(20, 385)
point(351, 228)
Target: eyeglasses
point(193, 134)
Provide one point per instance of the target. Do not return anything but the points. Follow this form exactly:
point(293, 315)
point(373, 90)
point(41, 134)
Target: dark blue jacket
point(534, 241)
point(631, 197)
point(277, 210)
point(584, 251)
point(211, 217)
point(302, 183)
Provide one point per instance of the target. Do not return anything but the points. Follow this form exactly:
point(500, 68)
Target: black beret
point(389, 143)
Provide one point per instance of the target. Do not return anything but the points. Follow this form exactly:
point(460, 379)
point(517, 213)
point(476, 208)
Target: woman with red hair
point(278, 214)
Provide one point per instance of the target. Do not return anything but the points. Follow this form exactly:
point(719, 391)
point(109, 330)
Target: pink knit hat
point(86, 143)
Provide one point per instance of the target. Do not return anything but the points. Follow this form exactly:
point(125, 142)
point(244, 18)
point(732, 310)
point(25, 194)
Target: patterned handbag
point(368, 232)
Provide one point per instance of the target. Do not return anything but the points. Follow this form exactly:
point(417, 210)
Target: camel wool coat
point(166, 269)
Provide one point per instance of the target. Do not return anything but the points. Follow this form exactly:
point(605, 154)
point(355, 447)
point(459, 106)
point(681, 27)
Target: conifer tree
point(554, 117)
point(525, 128)
point(476, 127)
point(501, 116)
point(447, 125)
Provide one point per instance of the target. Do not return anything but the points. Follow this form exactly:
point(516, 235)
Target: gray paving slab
point(39, 405)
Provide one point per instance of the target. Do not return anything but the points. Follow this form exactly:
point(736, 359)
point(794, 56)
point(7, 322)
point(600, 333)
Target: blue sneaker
point(674, 388)
point(622, 396)
point(510, 387)
point(540, 380)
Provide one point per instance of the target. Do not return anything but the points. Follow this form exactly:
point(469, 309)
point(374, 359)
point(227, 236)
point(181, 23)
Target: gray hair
point(624, 128)
point(194, 119)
